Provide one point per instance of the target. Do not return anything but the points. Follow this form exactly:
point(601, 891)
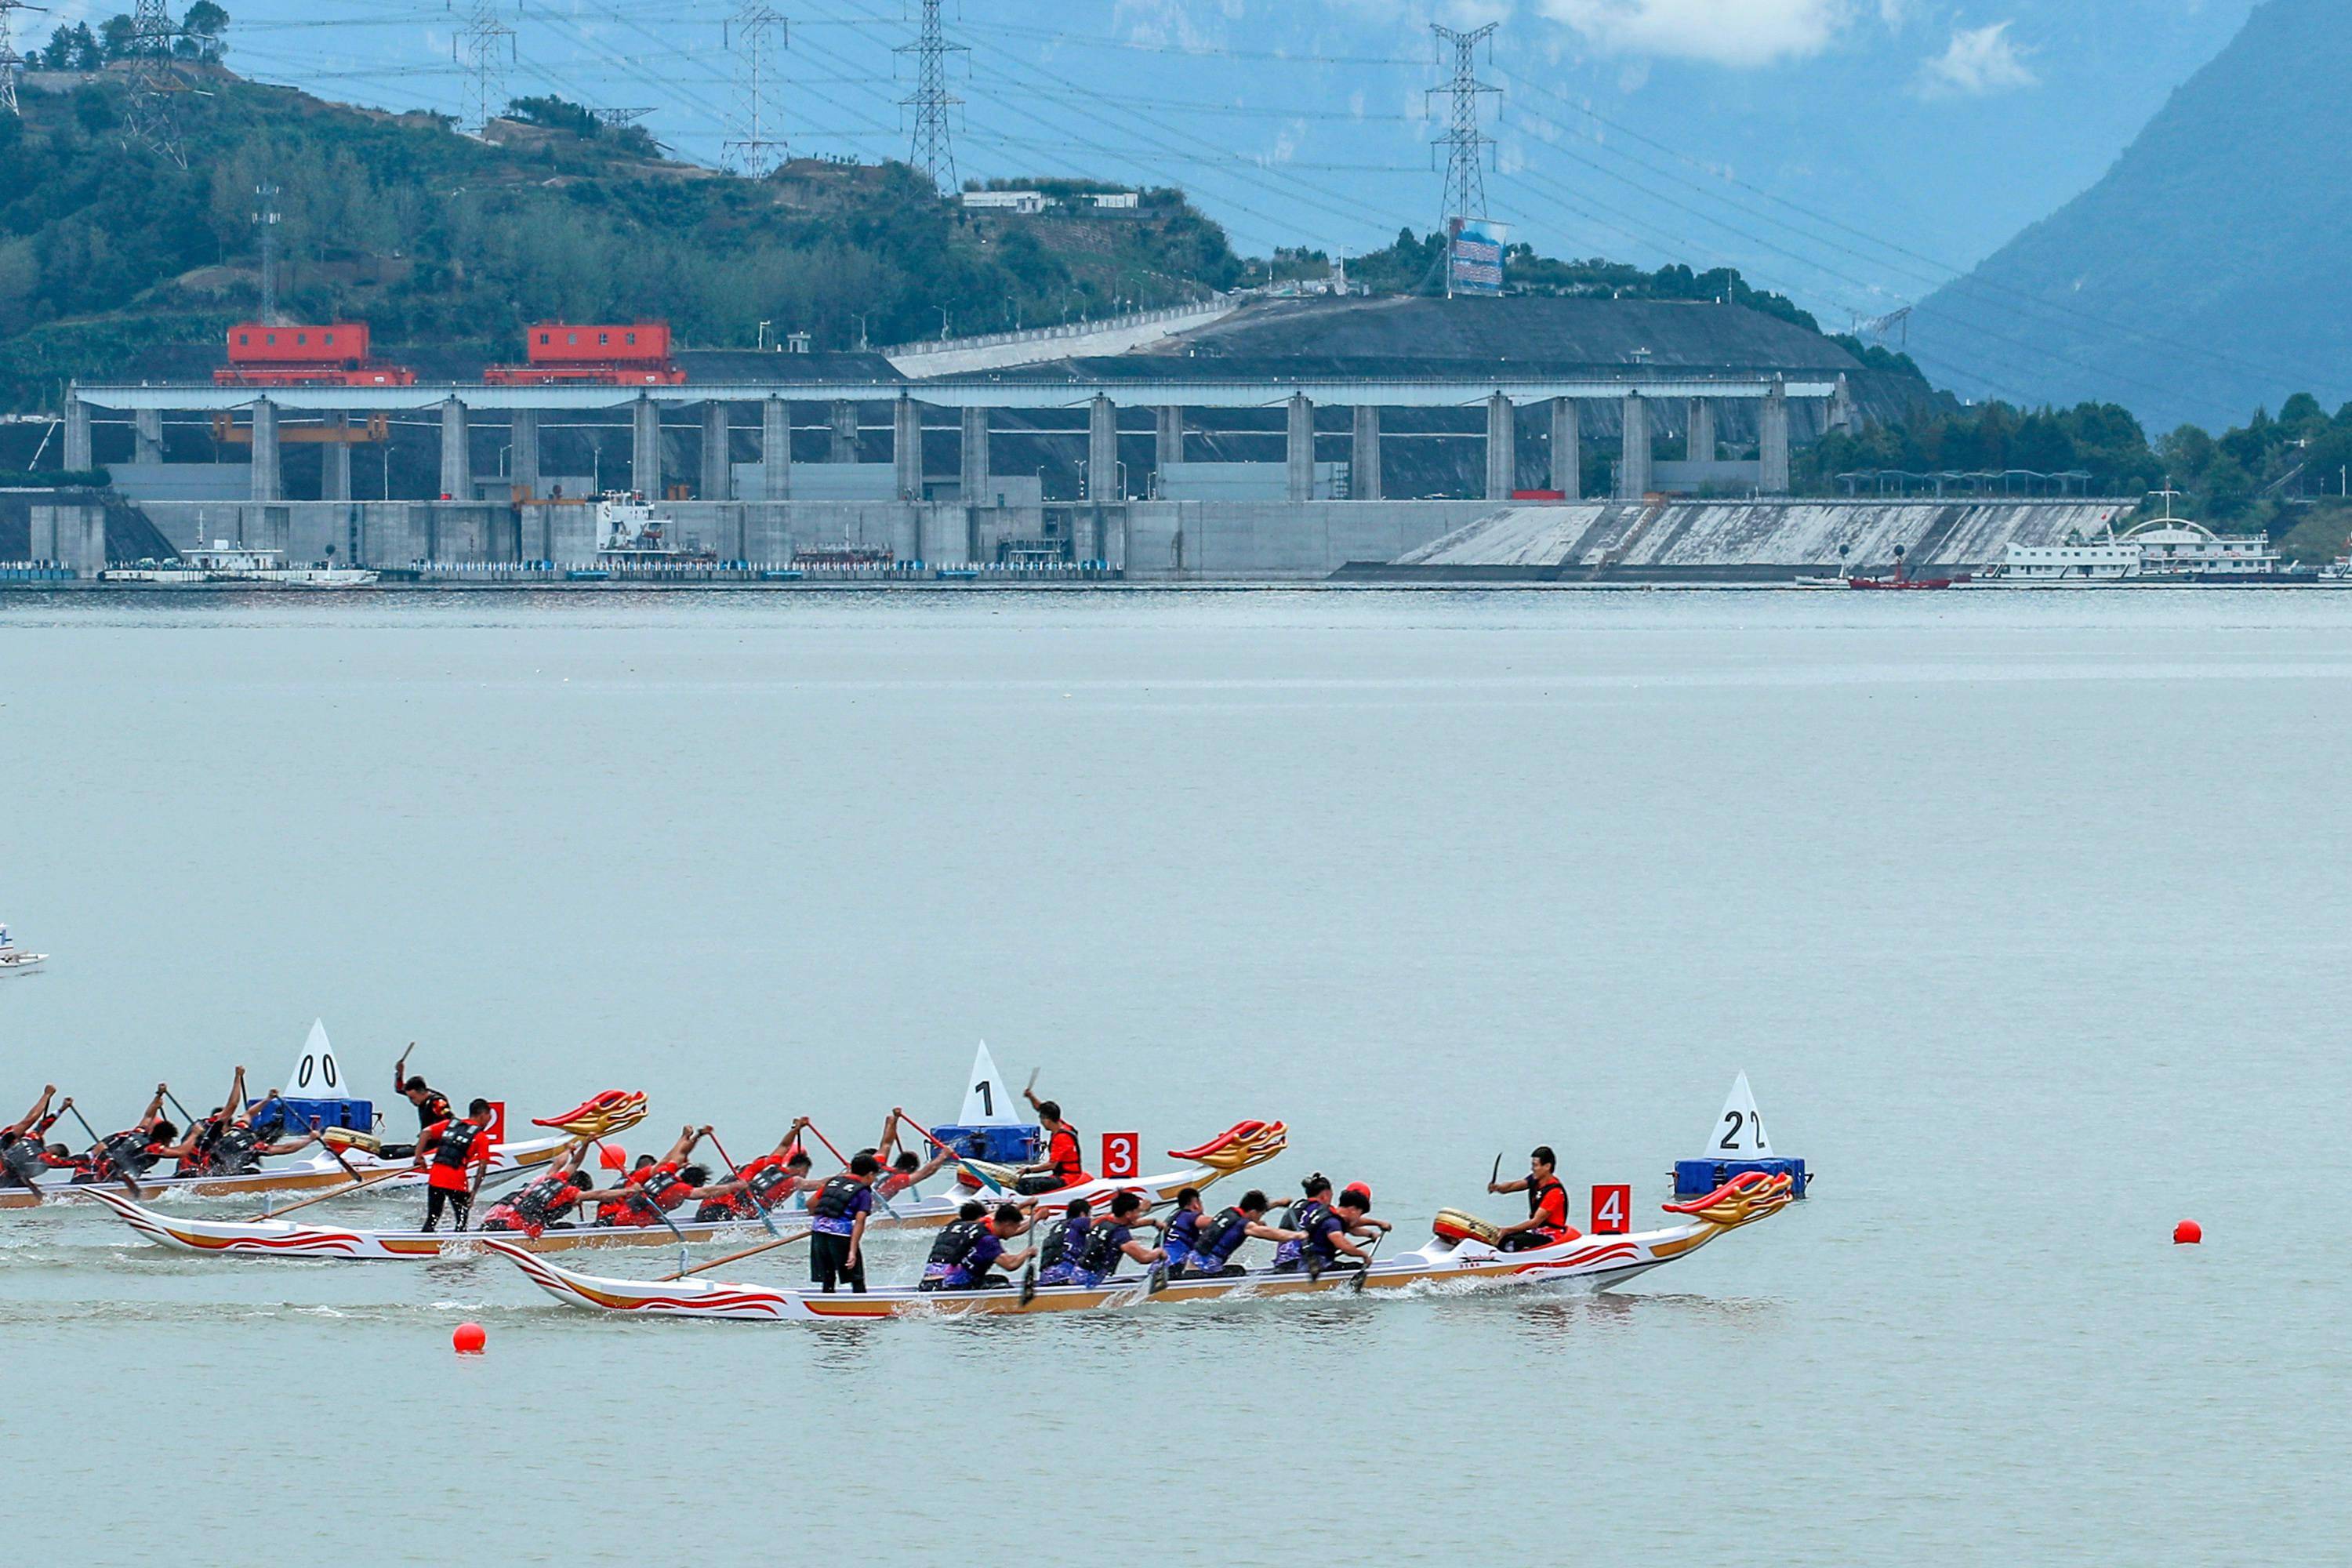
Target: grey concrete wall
point(365, 533)
point(1183, 540)
point(72, 534)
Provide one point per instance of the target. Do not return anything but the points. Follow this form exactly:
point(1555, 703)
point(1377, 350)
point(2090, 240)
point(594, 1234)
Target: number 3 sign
point(1122, 1158)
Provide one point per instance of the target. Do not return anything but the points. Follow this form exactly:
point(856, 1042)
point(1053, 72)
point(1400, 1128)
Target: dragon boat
point(1593, 1263)
point(1236, 1149)
point(350, 1161)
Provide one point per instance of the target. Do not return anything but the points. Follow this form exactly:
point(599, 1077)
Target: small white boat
point(15, 959)
point(1593, 1263)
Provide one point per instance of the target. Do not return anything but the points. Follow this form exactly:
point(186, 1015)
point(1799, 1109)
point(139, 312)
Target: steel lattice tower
point(483, 48)
point(932, 152)
point(1464, 143)
point(11, 62)
point(755, 35)
point(151, 116)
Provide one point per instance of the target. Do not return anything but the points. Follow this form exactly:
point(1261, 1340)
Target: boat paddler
point(653, 1190)
point(1058, 1258)
point(1325, 1227)
point(431, 1106)
point(1063, 1158)
point(1113, 1239)
point(446, 1148)
point(772, 1179)
point(907, 1168)
point(24, 1157)
point(837, 1217)
point(137, 1148)
point(972, 1245)
point(1219, 1239)
point(544, 1202)
point(1547, 1222)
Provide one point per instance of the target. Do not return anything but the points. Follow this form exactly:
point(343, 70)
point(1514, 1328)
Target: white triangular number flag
point(1738, 1132)
point(987, 1102)
point(318, 1076)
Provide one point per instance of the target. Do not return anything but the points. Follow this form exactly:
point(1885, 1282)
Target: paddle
point(982, 1177)
point(336, 1192)
point(1356, 1286)
point(875, 1188)
point(1029, 1283)
point(737, 1257)
point(736, 1172)
point(101, 1144)
point(646, 1200)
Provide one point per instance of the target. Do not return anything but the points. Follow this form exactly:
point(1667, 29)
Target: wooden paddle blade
point(1159, 1280)
point(1028, 1284)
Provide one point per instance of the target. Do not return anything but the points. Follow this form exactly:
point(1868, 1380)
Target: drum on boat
point(1453, 1225)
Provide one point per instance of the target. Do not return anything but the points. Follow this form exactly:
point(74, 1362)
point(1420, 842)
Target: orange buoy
point(611, 1156)
point(2187, 1233)
point(469, 1338)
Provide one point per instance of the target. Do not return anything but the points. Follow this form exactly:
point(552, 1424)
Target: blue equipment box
point(1696, 1178)
point(292, 1114)
point(998, 1145)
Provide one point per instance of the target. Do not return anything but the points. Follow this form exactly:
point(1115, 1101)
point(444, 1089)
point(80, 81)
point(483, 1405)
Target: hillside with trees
point(437, 238)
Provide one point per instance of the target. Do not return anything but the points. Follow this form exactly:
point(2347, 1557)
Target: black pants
point(458, 1205)
point(1529, 1240)
point(829, 1263)
point(1230, 1271)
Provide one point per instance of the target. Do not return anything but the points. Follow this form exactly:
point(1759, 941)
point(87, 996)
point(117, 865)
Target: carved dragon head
point(1745, 1198)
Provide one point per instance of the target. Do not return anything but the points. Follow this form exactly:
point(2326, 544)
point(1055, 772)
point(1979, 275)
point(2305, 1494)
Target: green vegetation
point(439, 239)
point(1415, 265)
point(2287, 475)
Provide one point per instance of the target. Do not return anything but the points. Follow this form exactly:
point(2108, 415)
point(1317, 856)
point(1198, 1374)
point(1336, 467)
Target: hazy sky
point(1850, 152)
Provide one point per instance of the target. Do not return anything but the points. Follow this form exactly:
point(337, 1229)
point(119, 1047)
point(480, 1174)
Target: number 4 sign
point(1122, 1158)
point(1613, 1210)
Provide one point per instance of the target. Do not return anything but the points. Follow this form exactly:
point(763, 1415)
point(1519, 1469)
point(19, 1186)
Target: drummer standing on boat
point(837, 1217)
point(453, 1145)
point(1547, 1222)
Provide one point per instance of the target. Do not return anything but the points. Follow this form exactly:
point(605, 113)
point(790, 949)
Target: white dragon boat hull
point(310, 1173)
point(16, 961)
point(285, 1238)
point(1592, 1263)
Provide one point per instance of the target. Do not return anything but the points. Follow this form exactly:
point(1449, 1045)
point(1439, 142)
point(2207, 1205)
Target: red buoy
point(469, 1338)
point(2187, 1233)
point(611, 1156)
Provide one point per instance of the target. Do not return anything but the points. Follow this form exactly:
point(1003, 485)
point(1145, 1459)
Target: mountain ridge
point(2192, 280)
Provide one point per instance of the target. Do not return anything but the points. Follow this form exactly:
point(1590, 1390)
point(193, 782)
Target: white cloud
point(1980, 61)
point(1743, 33)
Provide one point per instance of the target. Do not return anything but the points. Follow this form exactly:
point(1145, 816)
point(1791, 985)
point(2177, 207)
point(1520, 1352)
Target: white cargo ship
point(2164, 549)
point(225, 563)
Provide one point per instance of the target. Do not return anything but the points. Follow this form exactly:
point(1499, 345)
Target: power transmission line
point(932, 152)
point(483, 48)
point(1464, 143)
point(755, 35)
point(151, 116)
point(11, 62)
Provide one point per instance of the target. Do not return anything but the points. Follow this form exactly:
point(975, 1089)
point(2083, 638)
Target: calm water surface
point(2026, 914)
